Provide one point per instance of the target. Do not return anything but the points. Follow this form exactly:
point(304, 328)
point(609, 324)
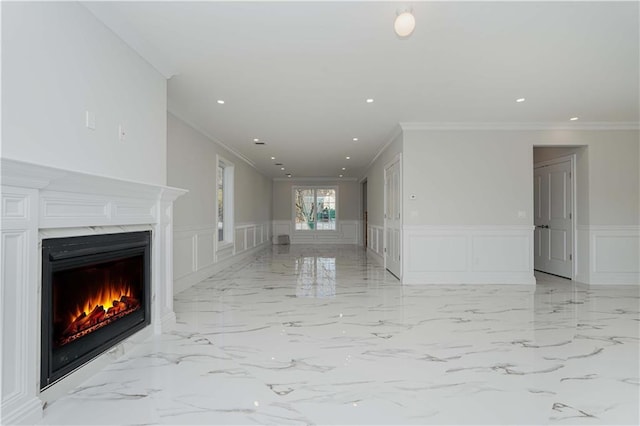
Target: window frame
point(315, 189)
point(228, 170)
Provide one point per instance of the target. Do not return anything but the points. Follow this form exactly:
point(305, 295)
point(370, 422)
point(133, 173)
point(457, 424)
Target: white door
point(553, 237)
point(392, 218)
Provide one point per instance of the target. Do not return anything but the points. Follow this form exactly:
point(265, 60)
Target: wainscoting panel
point(375, 242)
point(468, 255)
point(615, 254)
point(348, 232)
point(197, 256)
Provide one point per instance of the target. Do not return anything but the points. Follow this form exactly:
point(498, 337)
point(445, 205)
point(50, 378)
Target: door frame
point(397, 158)
point(574, 214)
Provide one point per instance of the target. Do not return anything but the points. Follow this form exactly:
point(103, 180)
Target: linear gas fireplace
point(95, 293)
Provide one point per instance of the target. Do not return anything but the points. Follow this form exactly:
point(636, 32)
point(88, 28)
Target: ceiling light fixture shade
point(404, 24)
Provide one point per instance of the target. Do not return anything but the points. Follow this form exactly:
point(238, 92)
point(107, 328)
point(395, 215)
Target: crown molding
point(316, 179)
point(552, 125)
point(211, 138)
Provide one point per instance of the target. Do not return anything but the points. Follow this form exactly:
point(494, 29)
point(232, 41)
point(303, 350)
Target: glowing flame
point(105, 296)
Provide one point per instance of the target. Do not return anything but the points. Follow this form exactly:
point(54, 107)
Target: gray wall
point(485, 177)
point(192, 166)
point(59, 61)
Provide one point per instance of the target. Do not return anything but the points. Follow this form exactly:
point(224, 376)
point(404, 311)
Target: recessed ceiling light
point(288, 174)
point(574, 118)
point(520, 100)
point(355, 139)
point(256, 140)
point(344, 168)
point(370, 100)
point(281, 168)
point(339, 175)
point(348, 158)
point(220, 101)
point(273, 158)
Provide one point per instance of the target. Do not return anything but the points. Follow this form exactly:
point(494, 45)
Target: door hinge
point(385, 249)
point(569, 175)
point(570, 216)
point(570, 257)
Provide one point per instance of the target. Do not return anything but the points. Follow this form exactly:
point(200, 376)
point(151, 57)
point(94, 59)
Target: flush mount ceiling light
point(370, 101)
point(220, 101)
point(404, 24)
point(574, 118)
point(519, 100)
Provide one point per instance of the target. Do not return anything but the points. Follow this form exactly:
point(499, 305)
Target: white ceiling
point(297, 74)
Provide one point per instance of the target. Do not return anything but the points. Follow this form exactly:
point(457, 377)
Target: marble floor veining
point(322, 335)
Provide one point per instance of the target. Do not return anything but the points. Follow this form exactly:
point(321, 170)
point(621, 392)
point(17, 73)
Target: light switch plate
point(90, 120)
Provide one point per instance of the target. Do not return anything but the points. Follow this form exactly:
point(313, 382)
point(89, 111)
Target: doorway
point(556, 207)
point(365, 233)
point(393, 217)
point(553, 217)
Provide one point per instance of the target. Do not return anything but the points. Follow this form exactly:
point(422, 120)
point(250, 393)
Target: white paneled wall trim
point(483, 254)
point(348, 232)
point(197, 256)
point(42, 202)
point(375, 242)
point(614, 253)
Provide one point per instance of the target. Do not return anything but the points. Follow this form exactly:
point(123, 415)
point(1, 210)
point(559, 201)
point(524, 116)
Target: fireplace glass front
point(95, 294)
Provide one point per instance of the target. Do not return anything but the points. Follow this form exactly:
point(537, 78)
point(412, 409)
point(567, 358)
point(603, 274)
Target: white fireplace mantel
point(40, 201)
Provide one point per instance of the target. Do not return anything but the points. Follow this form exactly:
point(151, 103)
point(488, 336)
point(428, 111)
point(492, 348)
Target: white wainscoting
point(197, 255)
point(614, 254)
point(468, 255)
point(375, 242)
point(348, 232)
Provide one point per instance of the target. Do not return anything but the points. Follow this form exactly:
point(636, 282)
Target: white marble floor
point(321, 335)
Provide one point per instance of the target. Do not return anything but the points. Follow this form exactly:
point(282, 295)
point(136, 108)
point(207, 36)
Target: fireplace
point(95, 293)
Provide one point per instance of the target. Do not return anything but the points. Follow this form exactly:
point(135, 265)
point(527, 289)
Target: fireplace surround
point(95, 293)
point(39, 203)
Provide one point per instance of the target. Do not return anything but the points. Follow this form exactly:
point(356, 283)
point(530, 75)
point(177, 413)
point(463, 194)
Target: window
point(224, 202)
point(315, 208)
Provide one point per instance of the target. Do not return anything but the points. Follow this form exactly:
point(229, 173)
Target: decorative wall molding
point(197, 255)
point(348, 232)
point(468, 255)
point(614, 254)
point(38, 202)
point(375, 241)
point(552, 125)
